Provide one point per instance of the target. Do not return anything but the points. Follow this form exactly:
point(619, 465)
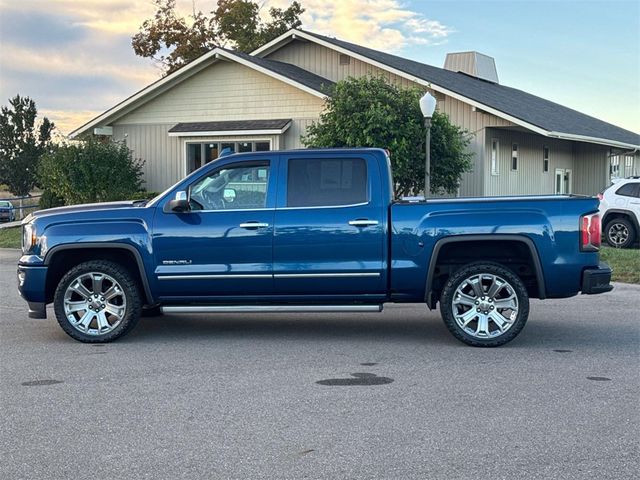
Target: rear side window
point(629, 190)
point(326, 182)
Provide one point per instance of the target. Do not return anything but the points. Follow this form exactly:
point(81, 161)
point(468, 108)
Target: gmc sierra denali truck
point(302, 231)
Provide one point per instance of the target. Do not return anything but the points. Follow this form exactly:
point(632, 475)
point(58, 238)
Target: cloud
point(74, 57)
point(381, 24)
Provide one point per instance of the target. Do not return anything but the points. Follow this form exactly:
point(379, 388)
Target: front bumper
point(597, 279)
point(32, 287)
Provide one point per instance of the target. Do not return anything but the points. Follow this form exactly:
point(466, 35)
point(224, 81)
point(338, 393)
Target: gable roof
point(522, 108)
point(287, 73)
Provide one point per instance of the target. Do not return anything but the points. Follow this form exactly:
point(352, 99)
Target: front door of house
point(563, 181)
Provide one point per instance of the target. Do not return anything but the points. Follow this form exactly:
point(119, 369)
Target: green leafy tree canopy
point(370, 112)
point(173, 40)
point(23, 140)
point(91, 171)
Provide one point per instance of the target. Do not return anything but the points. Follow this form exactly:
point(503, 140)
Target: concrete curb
point(10, 224)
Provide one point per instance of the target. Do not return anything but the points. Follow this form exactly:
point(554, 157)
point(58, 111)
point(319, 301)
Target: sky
point(74, 57)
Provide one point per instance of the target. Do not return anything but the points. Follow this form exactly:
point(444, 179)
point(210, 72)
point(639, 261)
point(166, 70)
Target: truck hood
point(86, 207)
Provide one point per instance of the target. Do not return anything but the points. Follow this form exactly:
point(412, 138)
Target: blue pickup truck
point(302, 231)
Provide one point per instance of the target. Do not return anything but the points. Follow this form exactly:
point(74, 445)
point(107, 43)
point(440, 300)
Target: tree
point(23, 141)
point(173, 40)
point(91, 171)
point(370, 112)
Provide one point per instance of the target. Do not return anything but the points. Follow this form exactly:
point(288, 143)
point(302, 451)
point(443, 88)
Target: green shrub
point(90, 172)
point(49, 200)
point(143, 195)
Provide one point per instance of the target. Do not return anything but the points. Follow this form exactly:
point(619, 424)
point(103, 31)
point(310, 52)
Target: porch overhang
point(230, 128)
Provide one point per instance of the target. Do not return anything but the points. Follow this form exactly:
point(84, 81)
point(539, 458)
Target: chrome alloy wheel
point(618, 234)
point(485, 306)
point(94, 303)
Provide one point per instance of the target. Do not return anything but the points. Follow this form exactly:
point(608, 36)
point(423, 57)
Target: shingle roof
point(290, 71)
point(231, 125)
point(529, 108)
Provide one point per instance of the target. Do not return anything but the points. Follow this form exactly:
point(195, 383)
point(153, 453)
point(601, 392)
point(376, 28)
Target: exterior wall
point(588, 163)
point(592, 168)
point(166, 157)
point(223, 91)
point(326, 63)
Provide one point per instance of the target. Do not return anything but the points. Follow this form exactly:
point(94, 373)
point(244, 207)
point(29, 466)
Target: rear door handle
point(363, 222)
point(253, 225)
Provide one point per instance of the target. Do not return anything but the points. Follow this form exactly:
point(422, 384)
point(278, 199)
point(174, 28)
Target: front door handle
point(253, 225)
point(363, 222)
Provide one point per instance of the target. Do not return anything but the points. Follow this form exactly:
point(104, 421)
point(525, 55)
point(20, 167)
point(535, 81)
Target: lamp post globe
point(427, 106)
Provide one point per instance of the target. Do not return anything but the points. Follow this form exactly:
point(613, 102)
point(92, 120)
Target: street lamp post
point(427, 106)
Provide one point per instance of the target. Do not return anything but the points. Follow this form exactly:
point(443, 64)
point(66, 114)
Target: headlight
point(28, 237)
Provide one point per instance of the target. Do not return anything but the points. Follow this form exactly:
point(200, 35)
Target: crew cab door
point(223, 246)
point(330, 225)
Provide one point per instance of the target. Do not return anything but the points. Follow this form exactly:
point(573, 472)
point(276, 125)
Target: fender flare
point(108, 246)
point(487, 237)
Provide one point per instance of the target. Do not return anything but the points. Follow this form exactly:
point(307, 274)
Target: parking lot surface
point(390, 395)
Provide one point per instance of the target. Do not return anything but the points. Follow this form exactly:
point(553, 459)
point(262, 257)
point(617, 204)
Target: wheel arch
point(612, 213)
point(91, 251)
point(432, 296)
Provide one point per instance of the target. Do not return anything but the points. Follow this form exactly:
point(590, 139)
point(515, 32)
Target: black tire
point(130, 291)
point(489, 268)
point(615, 226)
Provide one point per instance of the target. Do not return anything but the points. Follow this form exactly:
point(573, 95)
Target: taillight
point(600, 196)
point(590, 233)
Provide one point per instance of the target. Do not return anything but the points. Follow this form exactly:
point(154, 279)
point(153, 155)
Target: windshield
point(5, 204)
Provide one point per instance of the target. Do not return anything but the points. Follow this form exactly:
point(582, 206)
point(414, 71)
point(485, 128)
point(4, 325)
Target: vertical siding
point(592, 168)
point(587, 162)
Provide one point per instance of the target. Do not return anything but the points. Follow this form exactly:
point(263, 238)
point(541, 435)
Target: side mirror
point(179, 204)
point(229, 195)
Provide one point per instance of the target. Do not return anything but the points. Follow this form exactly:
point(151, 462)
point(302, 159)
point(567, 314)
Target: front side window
point(326, 182)
point(231, 188)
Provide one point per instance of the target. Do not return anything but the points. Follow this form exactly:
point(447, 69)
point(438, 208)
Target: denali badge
point(176, 262)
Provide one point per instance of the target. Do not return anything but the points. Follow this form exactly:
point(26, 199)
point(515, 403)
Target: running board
point(268, 308)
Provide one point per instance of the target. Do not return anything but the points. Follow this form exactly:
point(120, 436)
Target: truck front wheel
point(484, 304)
point(97, 301)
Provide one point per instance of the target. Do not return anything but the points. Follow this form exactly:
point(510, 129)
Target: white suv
point(620, 212)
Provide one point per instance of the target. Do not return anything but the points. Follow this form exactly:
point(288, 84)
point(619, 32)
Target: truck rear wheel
point(97, 301)
point(484, 304)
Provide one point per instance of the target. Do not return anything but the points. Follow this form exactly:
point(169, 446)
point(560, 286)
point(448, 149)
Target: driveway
point(237, 396)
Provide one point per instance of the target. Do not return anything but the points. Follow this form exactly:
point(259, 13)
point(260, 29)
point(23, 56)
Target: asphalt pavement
point(336, 396)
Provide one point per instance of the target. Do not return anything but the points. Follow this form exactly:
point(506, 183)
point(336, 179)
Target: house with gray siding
point(522, 144)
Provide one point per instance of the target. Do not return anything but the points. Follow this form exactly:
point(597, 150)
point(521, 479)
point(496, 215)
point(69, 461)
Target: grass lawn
point(625, 263)
point(10, 237)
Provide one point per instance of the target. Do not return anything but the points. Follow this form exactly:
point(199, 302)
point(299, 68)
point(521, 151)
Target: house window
point(201, 153)
point(495, 146)
point(545, 159)
point(614, 166)
point(514, 157)
point(628, 165)
point(345, 59)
